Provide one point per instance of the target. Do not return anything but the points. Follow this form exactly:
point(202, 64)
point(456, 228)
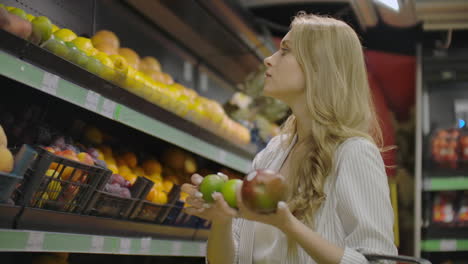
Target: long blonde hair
point(339, 102)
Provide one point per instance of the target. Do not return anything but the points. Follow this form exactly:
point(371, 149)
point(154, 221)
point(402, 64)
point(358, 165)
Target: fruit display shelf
point(42, 70)
point(444, 245)
point(32, 229)
point(40, 241)
point(446, 183)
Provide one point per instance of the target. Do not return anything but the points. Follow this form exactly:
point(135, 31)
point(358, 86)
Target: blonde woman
point(338, 204)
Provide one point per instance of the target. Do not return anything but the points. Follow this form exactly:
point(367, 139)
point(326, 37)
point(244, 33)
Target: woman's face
point(284, 78)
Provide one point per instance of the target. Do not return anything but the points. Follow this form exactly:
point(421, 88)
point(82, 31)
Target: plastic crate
point(152, 212)
point(8, 183)
point(177, 217)
point(110, 205)
point(67, 189)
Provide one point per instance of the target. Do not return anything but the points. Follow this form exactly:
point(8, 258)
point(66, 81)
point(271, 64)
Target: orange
point(130, 177)
point(113, 168)
point(124, 170)
point(100, 154)
point(131, 56)
point(151, 194)
point(158, 185)
point(167, 186)
point(107, 151)
point(152, 166)
point(131, 159)
point(139, 171)
point(161, 198)
point(149, 63)
point(106, 48)
point(106, 37)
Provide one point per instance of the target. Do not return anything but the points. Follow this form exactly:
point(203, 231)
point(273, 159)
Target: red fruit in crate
point(262, 190)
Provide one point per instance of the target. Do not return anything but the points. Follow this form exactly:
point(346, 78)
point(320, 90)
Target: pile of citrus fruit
point(102, 55)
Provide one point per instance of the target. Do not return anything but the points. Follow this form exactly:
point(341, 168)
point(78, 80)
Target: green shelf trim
point(35, 77)
point(446, 184)
point(444, 245)
point(39, 241)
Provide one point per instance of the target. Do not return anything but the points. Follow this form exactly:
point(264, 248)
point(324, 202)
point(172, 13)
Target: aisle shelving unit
point(441, 78)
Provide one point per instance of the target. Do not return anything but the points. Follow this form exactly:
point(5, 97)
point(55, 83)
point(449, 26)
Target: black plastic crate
point(152, 212)
point(177, 217)
point(106, 204)
point(8, 183)
point(60, 184)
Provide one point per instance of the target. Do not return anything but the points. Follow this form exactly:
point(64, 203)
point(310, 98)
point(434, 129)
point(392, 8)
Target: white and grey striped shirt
point(357, 214)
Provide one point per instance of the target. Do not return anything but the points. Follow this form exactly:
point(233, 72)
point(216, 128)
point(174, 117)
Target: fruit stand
point(103, 138)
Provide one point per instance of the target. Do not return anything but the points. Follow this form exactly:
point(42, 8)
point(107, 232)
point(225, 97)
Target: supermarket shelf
point(113, 102)
point(445, 183)
point(40, 241)
point(444, 245)
point(437, 231)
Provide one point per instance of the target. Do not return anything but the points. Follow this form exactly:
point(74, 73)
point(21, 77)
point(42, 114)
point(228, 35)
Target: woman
point(338, 204)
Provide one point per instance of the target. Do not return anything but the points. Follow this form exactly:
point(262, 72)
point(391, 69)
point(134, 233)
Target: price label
point(222, 156)
point(97, 244)
point(145, 245)
point(50, 83)
point(35, 241)
point(202, 249)
point(108, 108)
point(125, 244)
point(92, 100)
point(176, 248)
point(448, 245)
point(188, 71)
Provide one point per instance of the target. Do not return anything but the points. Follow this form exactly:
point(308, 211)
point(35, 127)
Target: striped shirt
point(357, 214)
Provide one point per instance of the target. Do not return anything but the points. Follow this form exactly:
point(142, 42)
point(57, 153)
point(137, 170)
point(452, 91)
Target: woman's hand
point(279, 219)
point(219, 211)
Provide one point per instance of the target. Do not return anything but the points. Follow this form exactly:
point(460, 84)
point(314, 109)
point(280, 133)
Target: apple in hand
point(229, 192)
point(262, 190)
point(211, 183)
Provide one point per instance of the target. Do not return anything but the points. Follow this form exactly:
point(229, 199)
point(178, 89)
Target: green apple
point(42, 29)
point(210, 184)
point(94, 65)
point(57, 46)
point(229, 192)
point(19, 12)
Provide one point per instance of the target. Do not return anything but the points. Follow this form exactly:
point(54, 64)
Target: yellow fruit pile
point(6, 158)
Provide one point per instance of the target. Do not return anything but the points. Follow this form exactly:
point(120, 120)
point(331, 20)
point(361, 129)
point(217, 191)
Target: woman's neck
point(303, 120)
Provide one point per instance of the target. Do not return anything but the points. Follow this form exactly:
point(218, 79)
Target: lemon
point(65, 34)
point(84, 44)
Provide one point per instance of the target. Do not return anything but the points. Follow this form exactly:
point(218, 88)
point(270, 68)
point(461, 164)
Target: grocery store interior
point(109, 106)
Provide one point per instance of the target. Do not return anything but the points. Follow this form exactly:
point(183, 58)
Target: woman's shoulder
point(356, 145)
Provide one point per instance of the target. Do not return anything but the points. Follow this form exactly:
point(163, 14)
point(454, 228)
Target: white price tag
point(97, 244)
point(188, 71)
point(448, 245)
point(145, 245)
point(92, 100)
point(176, 248)
point(50, 83)
point(108, 108)
point(125, 244)
point(35, 241)
point(222, 156)
point(203, 82)
point(202, 249)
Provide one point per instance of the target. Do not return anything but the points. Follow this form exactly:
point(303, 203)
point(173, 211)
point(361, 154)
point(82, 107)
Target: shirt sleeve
point(363, 202)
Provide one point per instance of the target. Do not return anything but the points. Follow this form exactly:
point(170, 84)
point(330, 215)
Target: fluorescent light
point(393, 4)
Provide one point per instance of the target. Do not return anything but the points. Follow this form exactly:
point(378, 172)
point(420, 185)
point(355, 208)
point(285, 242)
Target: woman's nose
point(267, 61)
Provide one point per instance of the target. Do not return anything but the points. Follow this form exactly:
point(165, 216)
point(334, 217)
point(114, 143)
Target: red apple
point(262, 190)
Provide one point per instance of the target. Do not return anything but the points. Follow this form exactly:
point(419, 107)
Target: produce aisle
point(104, 138)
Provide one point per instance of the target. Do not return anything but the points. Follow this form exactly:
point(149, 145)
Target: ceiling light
point(393, 4)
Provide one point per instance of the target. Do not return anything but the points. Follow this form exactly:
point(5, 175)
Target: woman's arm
point(220, 248)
